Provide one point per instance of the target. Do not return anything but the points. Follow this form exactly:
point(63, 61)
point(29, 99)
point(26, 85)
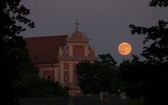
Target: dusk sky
point(105, 21)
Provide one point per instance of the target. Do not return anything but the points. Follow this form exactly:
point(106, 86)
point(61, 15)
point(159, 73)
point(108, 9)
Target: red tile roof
point(44, 50)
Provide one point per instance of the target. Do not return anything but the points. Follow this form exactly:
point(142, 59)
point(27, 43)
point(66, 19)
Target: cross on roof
point(77, 24)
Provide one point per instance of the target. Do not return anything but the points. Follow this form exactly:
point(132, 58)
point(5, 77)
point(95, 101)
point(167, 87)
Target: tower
point(77, 49)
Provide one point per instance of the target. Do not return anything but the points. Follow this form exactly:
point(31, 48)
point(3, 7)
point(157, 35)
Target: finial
point(85, 35)
point(77, 24)
point(60, 53)
point(69, 35)
point(94, 51)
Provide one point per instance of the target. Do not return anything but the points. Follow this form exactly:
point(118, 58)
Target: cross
point(77, 24)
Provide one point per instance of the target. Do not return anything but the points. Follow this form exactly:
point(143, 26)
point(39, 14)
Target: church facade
point(57, 57)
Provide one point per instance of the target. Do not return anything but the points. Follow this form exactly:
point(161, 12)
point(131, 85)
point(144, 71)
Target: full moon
point(124, 48)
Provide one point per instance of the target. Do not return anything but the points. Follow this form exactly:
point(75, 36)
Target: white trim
point(71, 72)
point(55, 73)
point(61, 72)
point(71, 44)
point(40, 72)
point(64, 61)
point(49, 64)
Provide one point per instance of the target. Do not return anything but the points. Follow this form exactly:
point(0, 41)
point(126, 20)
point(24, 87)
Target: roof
point(44, 50)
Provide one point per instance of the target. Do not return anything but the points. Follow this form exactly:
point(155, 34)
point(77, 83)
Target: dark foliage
point(86, 77)
point(160, 3)
point(98, 76)
point(19, 77)
point(11, 14)
point(145, 80)
point(157, 52)
point(149, 79)
point(36, 87)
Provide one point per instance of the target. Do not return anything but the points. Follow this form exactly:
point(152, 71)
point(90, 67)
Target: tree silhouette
point(12, 14)
point(98, 76)
point(161, 3)
point(19, 77)
point(145, 80)
point(157, 52)
point(149, 79)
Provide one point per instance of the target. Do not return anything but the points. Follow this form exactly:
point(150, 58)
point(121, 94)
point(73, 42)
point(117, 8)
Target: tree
point(107, 70)
point(145, 80)
point(12, 13)
point(35, 87)
point(86, 77)
point(133, 73)
point(98, 76)
point(19, 77)
point(28, 84)
point(161, 3)
point(149, 79)
point(158, 50)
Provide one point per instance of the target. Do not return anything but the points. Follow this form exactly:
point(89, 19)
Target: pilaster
point(56, 74)
point(71, 72)
point(61, 72)
point(70, 50)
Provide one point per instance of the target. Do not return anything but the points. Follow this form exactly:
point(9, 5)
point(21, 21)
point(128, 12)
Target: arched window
point(49, 77)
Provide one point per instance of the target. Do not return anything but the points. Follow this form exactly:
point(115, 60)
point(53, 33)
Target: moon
point(124, 48)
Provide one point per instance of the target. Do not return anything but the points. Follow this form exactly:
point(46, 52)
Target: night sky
point(105, 21)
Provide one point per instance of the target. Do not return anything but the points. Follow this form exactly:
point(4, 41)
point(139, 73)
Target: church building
point(57, 57)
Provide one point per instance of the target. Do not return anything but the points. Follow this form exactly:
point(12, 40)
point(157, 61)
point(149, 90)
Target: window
point(49, 77)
